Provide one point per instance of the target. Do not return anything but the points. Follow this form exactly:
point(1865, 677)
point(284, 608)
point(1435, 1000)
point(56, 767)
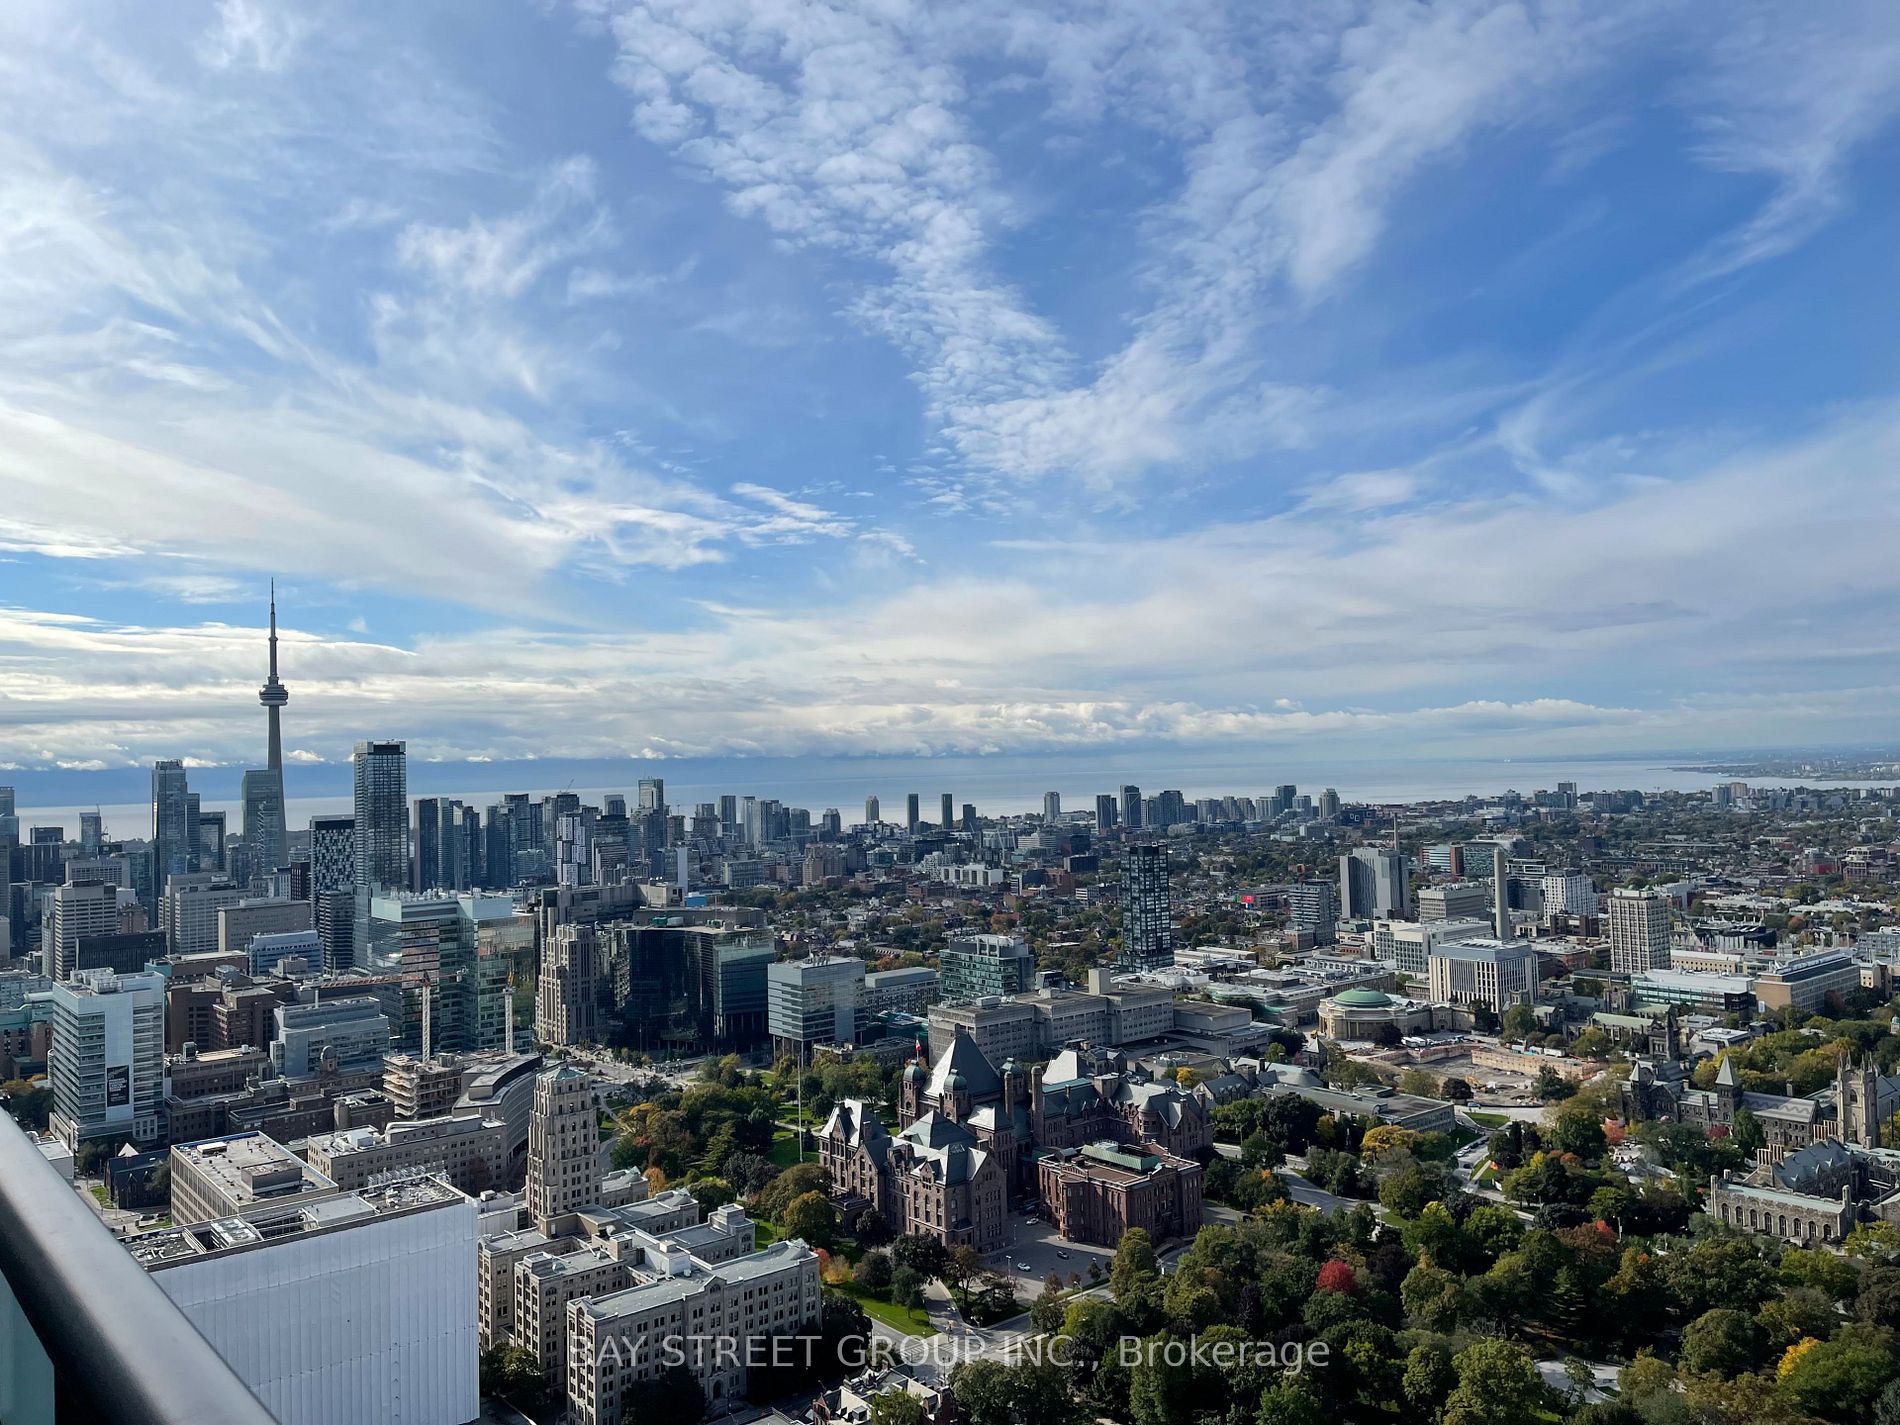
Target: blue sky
point(711, 378)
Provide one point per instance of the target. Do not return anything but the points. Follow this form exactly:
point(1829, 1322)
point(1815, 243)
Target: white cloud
point(1792, 93)
point(1442, 628)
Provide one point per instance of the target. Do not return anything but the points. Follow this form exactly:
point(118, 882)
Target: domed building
point(1367, 1014)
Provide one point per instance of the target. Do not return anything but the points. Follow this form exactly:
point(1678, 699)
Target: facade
point(1807, 983)
point(1491, 973)
point(563, 1148)
point(1374, 883)
point(615, 1340)
point(1639, 931)
point(1100, 1192)
point(466, 1150)
point(970, 1135)
point(1696, 992)
point(567, 990)
point(106, 1059)
point(259, 915)
point(223, 1176)
point(1314, 906)
point(174, 826)
point(188, 910)
point(1569, 893)
point(79, 910)
point(814, 1001)
point(349, 1034)
point(356, 1307)
point(1147, 907)
point(1407, 944)
point(1860, 1100)
point(973, 967)
point(380, 824)
point(1461, 900)
point(1372, 1016)
point(1814, 1196)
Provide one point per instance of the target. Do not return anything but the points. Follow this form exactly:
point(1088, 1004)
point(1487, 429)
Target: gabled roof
point(1725, 1076)
point(979, 1075)
point(934, 1132)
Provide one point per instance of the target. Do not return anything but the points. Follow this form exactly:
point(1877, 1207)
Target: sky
point(724, 378)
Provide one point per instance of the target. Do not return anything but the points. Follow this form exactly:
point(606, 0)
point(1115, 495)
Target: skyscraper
point(911, 815)
point(1105, 812)
point(1131, 807)
point(381, 831)
point(174, 828)
point(653, 794)
point(1052, 806)
point(1147, 909)
point(91, 832)
point(1374, 884)
point(426, 845)
point(563, 1147)
point(1639, 930)
point(263, 790)
point(870, 811)
point(949, 813)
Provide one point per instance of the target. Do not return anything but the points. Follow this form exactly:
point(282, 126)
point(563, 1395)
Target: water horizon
point(996, 785)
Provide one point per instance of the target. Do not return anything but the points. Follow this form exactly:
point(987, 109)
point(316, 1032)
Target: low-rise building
point(223, 1177)
point(1494, 974)
point(464, 1148)
point(1099, 1192)
point(719, 1314)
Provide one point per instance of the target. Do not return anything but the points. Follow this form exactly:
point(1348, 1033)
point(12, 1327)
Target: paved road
point(1602, 1378)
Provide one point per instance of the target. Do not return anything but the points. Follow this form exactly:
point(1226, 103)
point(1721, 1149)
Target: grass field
point(784, 1150)
point(1489, 1120)
point(911, 1323)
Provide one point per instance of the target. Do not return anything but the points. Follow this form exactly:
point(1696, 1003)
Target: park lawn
point(764, 1234)
point(911, 1322)
point(784, 1150)
point(1489, 1120)
point(100, 1196)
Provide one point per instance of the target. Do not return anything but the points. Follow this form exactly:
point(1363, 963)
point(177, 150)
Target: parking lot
point(1041, 1250)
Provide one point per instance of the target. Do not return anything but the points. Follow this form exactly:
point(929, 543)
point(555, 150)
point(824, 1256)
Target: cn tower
point(264, 831)
point(273, 695)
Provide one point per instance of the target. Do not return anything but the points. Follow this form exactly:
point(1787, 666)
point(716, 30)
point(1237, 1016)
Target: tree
point(1576, 1129)
point(1721, 1342)
point(897, 1407)
point(1133, 1269)
point(673, 1395)
point(811, 1217)
point(870, 1228)
point(510, 1373)
point(923, 1255)
point(1551, 1085)
point(1498, 1384)
point(1429, 1378)
point(874, 1271)
point(907, 1288)
point(1519, 1022)
point(29, 1101)
point(1456, 1089)
point(1290, 1402)
point(794, 1182)
point(961, 1266)
point(1046, 1311)
point(711, 1192)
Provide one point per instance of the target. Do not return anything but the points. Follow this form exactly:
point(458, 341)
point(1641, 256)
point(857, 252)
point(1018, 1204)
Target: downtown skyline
point(818, 383)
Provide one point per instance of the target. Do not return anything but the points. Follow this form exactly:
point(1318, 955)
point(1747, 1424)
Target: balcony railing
point(85, 1333)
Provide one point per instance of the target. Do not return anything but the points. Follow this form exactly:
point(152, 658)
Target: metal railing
point(106, 1343)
